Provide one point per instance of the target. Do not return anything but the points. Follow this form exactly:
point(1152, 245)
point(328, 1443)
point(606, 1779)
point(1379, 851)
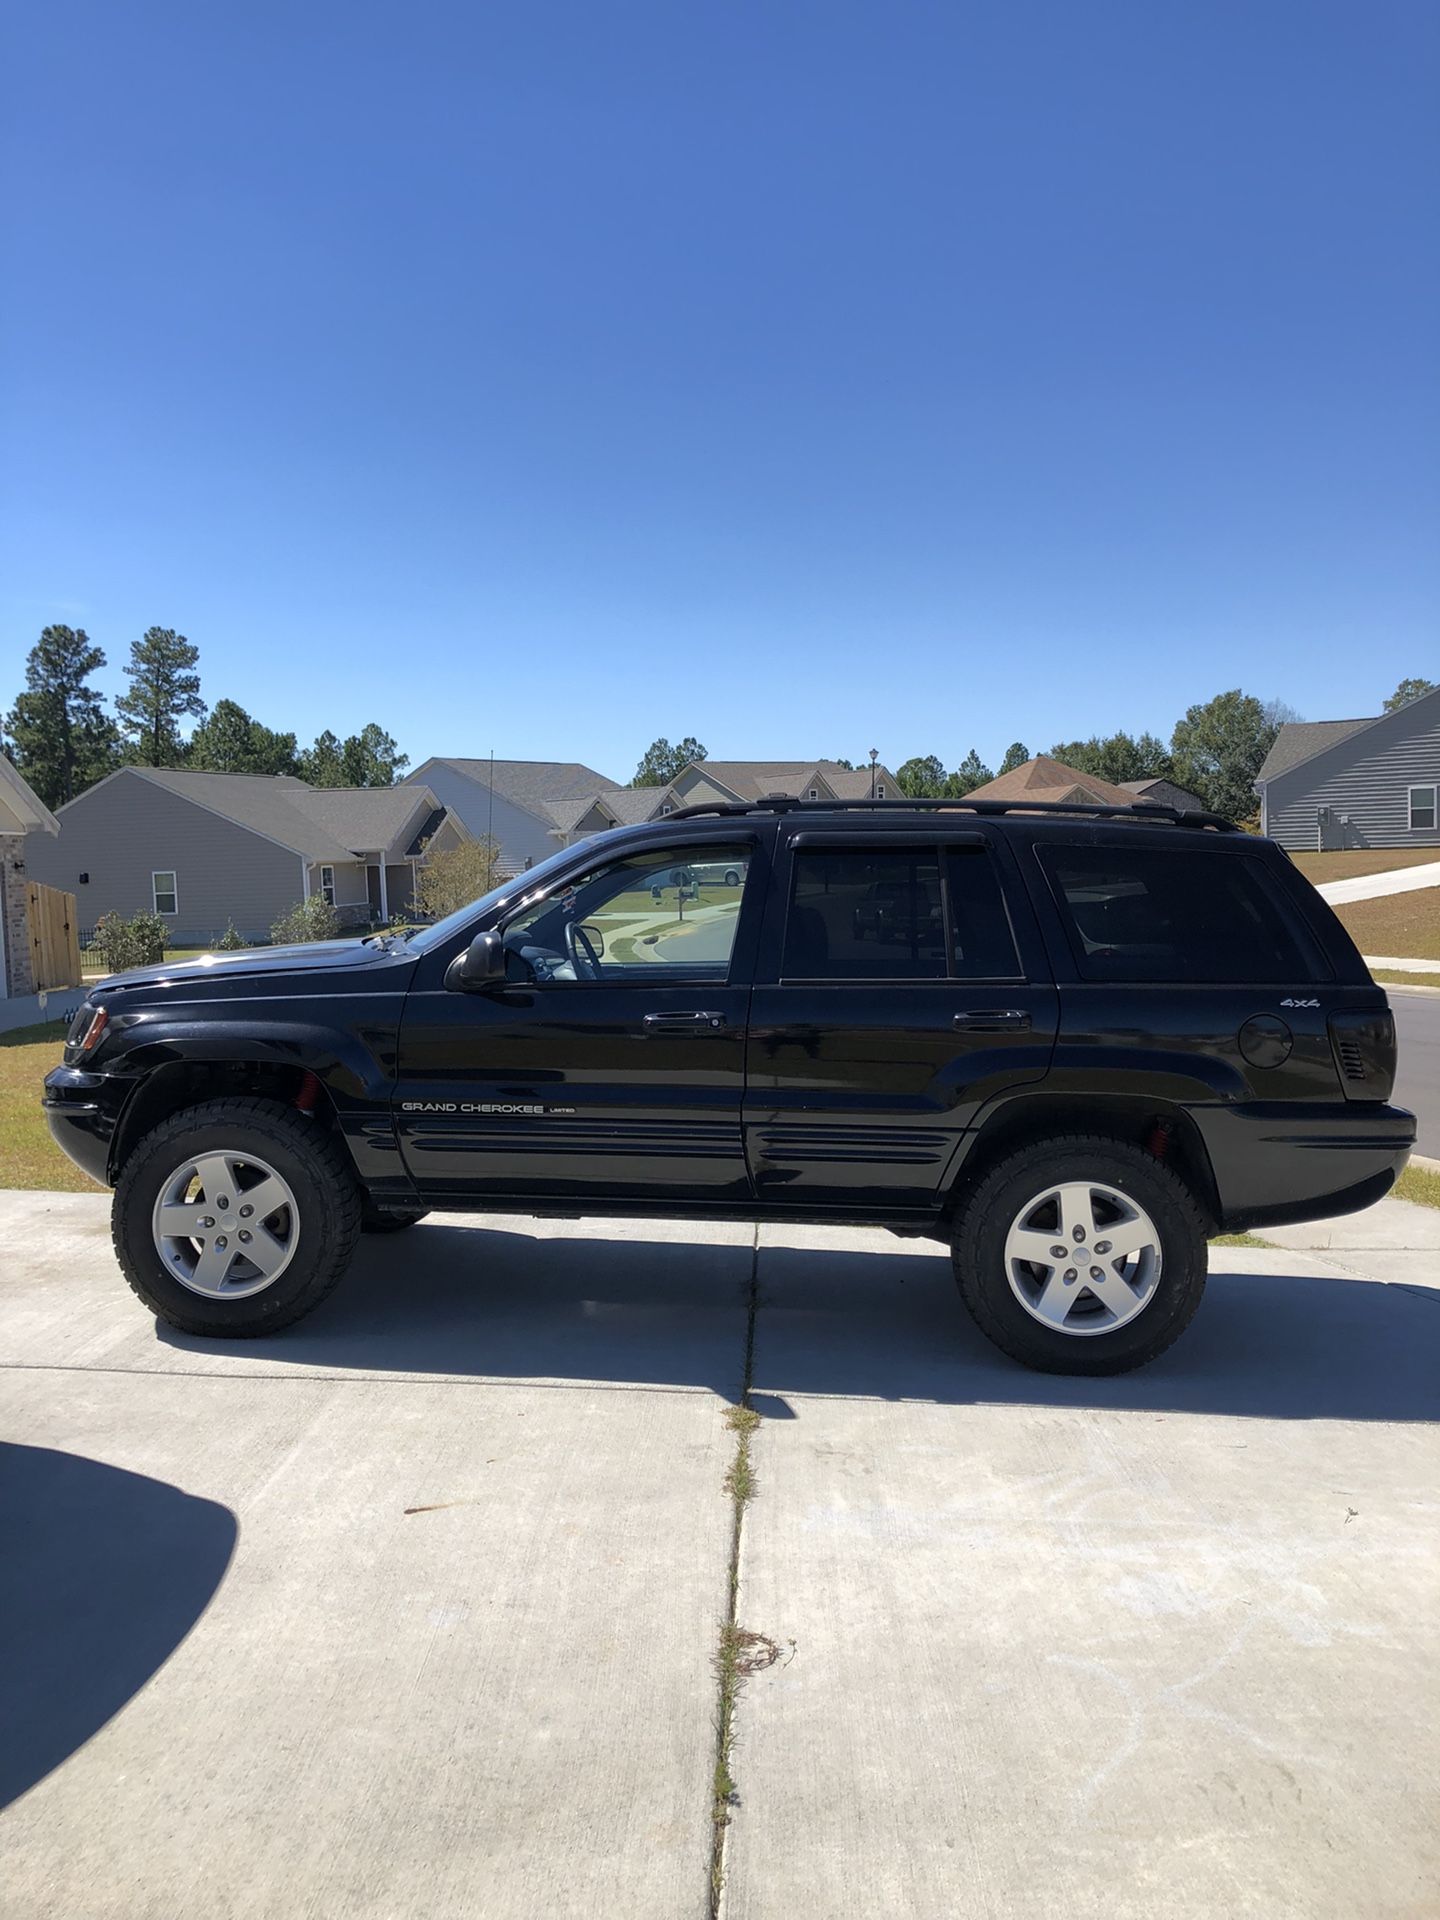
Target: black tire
point(732, 878)
point(327, 1201)
point(375, 1220)
point(984, 1221)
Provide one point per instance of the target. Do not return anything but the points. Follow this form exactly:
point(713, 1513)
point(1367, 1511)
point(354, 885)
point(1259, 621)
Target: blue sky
point(806, 377)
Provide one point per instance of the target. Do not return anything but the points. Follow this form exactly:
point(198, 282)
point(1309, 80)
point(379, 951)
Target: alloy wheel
point(226, 1225)
point(1083, 1258)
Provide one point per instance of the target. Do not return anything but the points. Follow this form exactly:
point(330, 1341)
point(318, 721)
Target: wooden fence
point(54, 938)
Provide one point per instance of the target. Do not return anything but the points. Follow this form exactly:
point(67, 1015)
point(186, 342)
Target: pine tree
point(60, 736)
point(164, 689)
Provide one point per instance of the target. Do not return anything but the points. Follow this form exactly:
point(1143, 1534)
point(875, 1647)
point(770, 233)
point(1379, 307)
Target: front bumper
point(1278, 1161)
point(81, 1118)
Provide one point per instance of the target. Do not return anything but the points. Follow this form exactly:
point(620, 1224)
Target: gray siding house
point(533, 807)
point(1355, 783)
point(524, 805)
point(207, 849)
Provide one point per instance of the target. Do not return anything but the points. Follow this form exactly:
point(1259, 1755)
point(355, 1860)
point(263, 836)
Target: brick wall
point(17, 919)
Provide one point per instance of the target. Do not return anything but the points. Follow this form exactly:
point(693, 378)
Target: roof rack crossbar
point(1142, 809)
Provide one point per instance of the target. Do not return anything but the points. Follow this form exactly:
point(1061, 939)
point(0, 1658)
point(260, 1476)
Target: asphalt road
point(1417, 1086)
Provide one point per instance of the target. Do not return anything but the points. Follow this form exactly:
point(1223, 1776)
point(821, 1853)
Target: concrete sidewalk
point(410, 1612)
point(1395, 1240)
point(1374, 886)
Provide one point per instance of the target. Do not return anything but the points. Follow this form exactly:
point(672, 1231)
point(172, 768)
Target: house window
point(1422, 809)
point(880, 791)
point(667, 808)
point(162, 887)
point(327, 885)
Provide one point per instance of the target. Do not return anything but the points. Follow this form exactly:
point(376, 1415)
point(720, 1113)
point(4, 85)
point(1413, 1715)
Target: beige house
point(205, 850)
point(25, 821)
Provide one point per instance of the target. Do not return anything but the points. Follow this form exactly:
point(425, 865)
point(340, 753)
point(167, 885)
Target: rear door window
point(1140, 913)
point(897, 913)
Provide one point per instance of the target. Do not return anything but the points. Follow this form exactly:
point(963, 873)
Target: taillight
point(1364, 1048)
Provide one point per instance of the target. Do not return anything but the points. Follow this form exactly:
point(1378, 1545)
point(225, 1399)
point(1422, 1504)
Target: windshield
point(518, 885)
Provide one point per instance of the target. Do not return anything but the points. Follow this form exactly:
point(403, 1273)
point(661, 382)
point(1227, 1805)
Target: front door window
point(653, 919)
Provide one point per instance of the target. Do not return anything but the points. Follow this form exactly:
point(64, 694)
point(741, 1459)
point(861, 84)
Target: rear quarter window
point(1137, 914)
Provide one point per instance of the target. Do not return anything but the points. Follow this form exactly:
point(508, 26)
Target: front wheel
point(1081, 1255)
point(236, 1217)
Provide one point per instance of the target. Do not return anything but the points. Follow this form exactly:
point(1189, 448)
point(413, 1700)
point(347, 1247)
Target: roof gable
point(1044, 780)
point(1299, 741)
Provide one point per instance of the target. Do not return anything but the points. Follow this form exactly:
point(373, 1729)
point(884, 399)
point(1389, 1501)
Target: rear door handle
point(994, 1020)
point(659, 1022)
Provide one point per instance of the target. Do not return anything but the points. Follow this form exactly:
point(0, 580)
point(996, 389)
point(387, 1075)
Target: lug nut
point(1096, 1274)
point(208, 1221)
point(1079, 1231)
point(245, 1212)
point(1058, 1253)
point(1102, 1246)
point(1070, 1276)
point(220, 1240)
point(222, 1203)
point(244, 1238)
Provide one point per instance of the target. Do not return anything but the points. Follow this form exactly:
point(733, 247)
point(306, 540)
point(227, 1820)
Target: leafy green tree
point(371, 758)
point(455, 876)
point(1117, 758)
point(59, 734)
point(849, 765)
point(323, 764)
point(164, 690)
point(1407, 691)
point(1016, 754)
point(229, 741)
point(972, 772)
point(661, 762)
point(922, 778)
point(1218, 748)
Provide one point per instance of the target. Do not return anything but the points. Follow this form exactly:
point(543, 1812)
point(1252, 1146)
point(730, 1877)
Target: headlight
point(86, 1031)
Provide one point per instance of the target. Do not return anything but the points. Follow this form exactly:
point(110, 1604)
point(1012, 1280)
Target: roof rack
point(1145, 810)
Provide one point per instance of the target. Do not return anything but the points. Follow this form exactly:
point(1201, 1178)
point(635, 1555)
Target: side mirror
point(481, 965)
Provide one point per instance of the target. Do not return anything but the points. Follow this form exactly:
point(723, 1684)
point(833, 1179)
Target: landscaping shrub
point(312, 919)
point(231, 940)
point(137, 942)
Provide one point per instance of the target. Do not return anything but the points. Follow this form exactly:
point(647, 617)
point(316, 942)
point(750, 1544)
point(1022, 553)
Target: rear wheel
point(235, 1218)
point(1081, 1255)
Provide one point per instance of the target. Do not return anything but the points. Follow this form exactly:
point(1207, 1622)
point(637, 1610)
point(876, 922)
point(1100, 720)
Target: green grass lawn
point(1352, 862)
point(28, 1156)
point(1406, 925)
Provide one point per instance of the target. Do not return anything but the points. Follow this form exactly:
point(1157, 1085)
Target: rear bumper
point(81, 1118)
point(1277, 1161)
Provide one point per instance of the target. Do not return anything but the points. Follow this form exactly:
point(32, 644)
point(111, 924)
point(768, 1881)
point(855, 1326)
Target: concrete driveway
point(413, 1610)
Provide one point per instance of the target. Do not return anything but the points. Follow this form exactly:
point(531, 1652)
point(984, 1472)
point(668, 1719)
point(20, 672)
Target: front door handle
point(994, 1020)
point(661, 1022)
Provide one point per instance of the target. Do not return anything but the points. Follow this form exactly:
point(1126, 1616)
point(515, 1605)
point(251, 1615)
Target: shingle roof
point(530, 783)
point(1045, 781)
point(365, 819)
point(1297, 740)
point(322, 823)
point(632, 805)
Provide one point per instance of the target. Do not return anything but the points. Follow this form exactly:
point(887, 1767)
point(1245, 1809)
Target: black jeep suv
point(1090, 1038)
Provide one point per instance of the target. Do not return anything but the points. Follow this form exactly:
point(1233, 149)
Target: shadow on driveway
point(635, 1312)
point(102, 1575)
